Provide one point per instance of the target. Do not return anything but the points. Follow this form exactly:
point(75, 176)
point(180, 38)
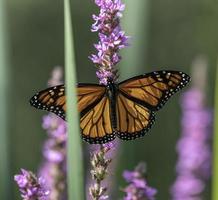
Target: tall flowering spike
point(111, 39)
point(111, 150)
point(138, 188)
point(100, 161)
point(193, 167)
point(53, 167)
point(31, 187)
point(194, 153)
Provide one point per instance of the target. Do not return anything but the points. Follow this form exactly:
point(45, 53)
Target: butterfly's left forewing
point(140, 96)
point(154, 89)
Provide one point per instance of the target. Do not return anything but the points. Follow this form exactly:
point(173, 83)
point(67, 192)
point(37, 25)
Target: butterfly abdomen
point(112, 94)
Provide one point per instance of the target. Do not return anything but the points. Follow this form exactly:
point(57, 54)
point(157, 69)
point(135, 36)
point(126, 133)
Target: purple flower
point(31, 187)
point(56, 78)
point(45, 171)
point(111, 39)
point(138, 188)
point(54, 149)
point(52, 152)
point(109, 146)
point(193, 166)
point(55, 127)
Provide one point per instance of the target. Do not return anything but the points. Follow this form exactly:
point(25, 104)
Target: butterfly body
point(112, 95)
point(126, 110)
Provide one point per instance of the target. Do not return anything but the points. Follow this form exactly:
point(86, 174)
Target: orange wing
point(133, 119)
point(51, 99)
point(54, 100)
point(153, 89)
point(93, 106)
point(96, 123)
point(89, 95)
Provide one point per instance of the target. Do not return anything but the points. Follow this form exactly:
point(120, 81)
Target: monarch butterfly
point(125, 110)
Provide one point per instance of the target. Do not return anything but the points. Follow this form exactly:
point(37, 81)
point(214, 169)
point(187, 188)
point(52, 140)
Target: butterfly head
point(110, 81)
point(111, 86)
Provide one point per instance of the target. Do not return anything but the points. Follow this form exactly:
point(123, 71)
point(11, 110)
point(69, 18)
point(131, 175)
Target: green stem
point(215, 143)
point(74, 146)
point(4, 162)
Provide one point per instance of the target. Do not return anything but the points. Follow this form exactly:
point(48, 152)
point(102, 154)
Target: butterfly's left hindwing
point(133, 119)
point(140, 96)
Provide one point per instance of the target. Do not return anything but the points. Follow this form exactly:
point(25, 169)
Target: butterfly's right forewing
point(54, 99)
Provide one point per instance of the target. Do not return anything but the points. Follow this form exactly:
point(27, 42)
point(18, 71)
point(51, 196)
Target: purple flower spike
point(31, 187)
point(100, 163)
point(53, 167)
point(138, 187)
point(194, 153)
point(111, 39)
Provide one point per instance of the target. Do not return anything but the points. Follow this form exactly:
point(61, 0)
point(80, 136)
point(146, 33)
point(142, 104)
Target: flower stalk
point(111, 40)
point(99, 171)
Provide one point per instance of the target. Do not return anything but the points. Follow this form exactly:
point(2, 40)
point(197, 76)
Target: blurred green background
point(165, 34)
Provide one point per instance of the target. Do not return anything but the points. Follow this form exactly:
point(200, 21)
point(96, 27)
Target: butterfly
point(126, 110)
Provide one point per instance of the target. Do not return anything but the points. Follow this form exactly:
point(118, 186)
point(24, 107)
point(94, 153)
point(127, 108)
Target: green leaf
point(4, 105)
point(74, 146)
point(215, 143)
